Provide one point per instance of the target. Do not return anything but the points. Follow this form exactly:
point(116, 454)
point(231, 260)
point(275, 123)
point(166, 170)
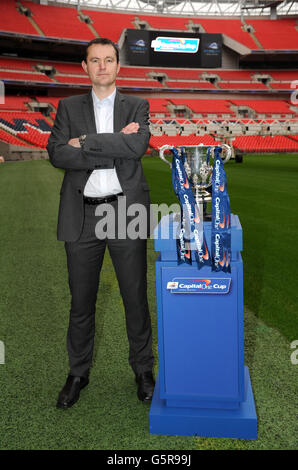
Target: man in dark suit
point(99, 139)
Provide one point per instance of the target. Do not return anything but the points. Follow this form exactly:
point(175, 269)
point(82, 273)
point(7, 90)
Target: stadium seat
point(122, 83)
point(281, 86)
point(31, 127)
point(24, 77)
point(265, 144)
point(14, 103)
point(276, 34)
point(59, 22)
point(12, 140)
point(205, 106)
point(195, 85)
point(13, 21)
point(265, 106)
point(16, 64)
point(242, 86)
point(232, 28)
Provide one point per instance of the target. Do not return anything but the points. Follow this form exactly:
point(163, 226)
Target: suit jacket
point(75, 117)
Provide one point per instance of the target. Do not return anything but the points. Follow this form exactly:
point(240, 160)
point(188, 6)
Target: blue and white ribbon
point(191, 219)
point(221, 217)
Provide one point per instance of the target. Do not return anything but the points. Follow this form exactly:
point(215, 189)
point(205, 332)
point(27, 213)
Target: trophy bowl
point(198, 164)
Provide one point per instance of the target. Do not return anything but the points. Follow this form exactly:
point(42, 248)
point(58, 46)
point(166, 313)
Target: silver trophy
point(198, 166)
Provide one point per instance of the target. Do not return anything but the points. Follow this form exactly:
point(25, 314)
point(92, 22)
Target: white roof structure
point(214, 8)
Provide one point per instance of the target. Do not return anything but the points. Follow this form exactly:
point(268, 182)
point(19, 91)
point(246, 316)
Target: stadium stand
point(25, 77)
point(10, 139)
point(281, 86)
point(7, 63)
point(72, 80)
point(129, 77)
point(233, 28)
point(251, 106)
point(109, 24)
point(205, 106)
point(281, 34)
point(190, 85)
point(176, 74)
point(15, 103)
point(122, 82)
point(266, 107)
point(242, 86)
point(265, 144)
point(31, 127)
point(51, 22)
point(170, 74)
point(156, 142)
point(72, 73)
point(283, 75)
point(13, 21)
point(50, 100)
point(234, 75)
point(158, 106)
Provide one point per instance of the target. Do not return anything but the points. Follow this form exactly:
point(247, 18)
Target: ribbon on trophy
point(191, 219)
point(221, 217)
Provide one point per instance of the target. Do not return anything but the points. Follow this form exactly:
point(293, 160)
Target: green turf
point(34, 305)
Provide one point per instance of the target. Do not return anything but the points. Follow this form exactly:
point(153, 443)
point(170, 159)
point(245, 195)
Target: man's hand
point(74, 142)
point(131, 128)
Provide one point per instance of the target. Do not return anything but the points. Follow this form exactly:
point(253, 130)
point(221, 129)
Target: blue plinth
point(240, 423)
point(203, 387)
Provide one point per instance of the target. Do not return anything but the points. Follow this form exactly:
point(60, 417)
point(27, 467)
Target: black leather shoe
point(146, 385)
point(70, 393)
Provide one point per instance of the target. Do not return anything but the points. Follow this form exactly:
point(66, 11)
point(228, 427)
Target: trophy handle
point(161, 153)
point(228, 152)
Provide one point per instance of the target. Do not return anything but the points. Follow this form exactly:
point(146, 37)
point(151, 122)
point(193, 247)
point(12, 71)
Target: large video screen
point(173, 49)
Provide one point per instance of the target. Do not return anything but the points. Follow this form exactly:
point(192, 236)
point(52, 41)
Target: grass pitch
point(34, 306)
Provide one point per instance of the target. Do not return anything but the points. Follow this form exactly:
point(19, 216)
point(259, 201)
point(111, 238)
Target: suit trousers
point(84, 261)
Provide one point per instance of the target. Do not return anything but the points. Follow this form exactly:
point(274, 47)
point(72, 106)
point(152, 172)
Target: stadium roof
point(237, 8)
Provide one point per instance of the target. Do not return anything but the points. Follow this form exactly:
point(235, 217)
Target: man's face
point(101, 66)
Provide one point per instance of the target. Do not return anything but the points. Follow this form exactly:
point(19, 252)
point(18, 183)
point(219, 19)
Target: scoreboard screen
point(173, 49)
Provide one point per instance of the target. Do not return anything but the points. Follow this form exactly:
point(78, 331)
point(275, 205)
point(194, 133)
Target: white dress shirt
point(103, 183)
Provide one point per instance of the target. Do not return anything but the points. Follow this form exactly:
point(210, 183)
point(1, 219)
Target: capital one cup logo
point(189, 285)
point(171, 44)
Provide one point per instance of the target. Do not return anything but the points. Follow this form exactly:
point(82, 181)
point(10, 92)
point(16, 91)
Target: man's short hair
point(103, 42)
